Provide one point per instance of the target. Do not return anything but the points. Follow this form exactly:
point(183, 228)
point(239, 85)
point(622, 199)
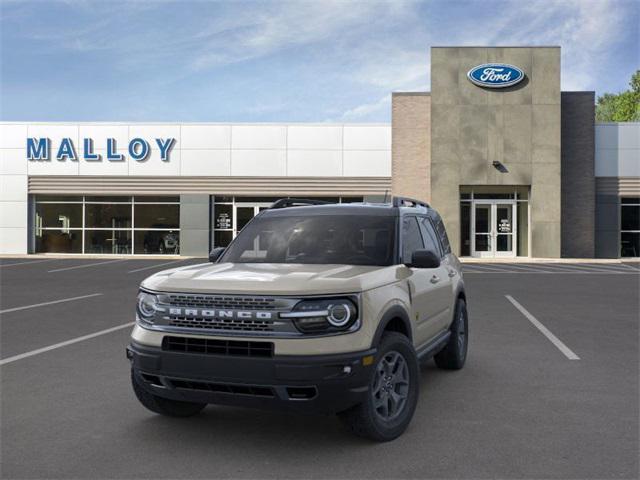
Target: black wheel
point(454, 354)
point(392, 395)
point(164, 406)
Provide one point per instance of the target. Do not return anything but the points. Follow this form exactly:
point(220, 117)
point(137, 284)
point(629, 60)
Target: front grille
point(253, 390)
point(226, 324)
point(220, 301)
point(209, 346)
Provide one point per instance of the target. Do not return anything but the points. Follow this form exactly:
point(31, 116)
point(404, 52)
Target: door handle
point(452, 273)
point(435, 279)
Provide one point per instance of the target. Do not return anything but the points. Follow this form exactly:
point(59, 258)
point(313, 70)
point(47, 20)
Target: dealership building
point(515, 166)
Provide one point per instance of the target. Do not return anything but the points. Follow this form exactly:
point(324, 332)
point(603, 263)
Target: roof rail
point(294, 202)
point(404, 201)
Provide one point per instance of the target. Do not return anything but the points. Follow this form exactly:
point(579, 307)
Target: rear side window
point(430, 237)
point(442, 234)
point(411, 238)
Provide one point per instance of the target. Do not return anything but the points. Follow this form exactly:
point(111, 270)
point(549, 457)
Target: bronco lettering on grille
point(209, 313)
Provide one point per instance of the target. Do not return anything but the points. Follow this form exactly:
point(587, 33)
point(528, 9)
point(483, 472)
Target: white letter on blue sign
point(89, 156)
point(39, 151)
point(66, 151)
point(165, 148)
point(138, 149)
point(112, 155)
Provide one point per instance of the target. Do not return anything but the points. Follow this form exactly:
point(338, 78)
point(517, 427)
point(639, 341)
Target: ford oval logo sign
point(495, 75)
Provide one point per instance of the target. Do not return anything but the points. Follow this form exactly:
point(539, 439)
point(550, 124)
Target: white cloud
point(366, 109)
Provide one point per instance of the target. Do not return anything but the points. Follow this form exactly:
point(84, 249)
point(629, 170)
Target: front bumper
point(306, 384)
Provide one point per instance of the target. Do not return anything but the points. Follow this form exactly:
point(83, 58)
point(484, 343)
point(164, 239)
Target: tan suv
point(324, 308)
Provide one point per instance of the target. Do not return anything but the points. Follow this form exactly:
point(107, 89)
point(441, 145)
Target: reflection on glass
point(504, 243)
point(222, 238)
point(157, 242)
point(107, 241)
point(223, 217)
point(483, 212)
point(244, 215)
point(60, 215)
point(504, 219)
point(107, 215)
point(58, 198)
point(630, 244)
point(483, 243)
point(109, 199)
point(155, 199)
point(630, 217)
point(465, 229)
point(523, 229)
point(58, 241)
point(157, 216)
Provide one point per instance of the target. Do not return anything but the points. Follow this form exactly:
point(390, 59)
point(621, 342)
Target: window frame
point(401, 232)
point(623, 204)
point(130, 200)
point(438, 240)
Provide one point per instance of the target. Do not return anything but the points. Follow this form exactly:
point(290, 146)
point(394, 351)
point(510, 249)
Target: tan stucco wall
point(518, 126)
point(411, 145)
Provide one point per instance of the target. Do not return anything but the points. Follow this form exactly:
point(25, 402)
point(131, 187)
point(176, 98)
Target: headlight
point(146, 306)
point(324, 315)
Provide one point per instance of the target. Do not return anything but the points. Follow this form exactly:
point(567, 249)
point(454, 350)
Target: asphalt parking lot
point(550, 389)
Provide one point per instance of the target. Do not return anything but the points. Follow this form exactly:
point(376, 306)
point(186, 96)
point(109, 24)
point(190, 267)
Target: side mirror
point(215, 254)
point(424, 259)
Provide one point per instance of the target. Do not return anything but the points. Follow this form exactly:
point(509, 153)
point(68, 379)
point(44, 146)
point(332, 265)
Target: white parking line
point(544, 330)
point(154, 266)
point(15, 358)
point(86, 265)
point(579, 268)
point(528, 268)
point(28, 262)
point(484, 268)
point(35, 305)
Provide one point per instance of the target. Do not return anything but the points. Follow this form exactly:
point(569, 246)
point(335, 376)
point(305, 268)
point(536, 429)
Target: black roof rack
point(403, 201)
point(293, 202)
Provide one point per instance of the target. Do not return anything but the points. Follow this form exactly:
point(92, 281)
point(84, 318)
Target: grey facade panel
point(519, 126)
point(194, 225)
point(578, 174)
point(607, 226)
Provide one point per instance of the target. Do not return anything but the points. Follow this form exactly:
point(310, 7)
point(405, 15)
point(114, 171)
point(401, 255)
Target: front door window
point(493, 229)
point(504, 228)
point(482, 223)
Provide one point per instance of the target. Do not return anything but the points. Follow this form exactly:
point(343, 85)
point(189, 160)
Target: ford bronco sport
point(324, 308)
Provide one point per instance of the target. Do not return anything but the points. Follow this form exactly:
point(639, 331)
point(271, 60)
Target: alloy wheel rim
point(390, 389)
point(462, 334)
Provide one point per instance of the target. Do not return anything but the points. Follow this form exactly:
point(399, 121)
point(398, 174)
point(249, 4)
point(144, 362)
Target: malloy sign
point(495, 75)
point(40, 149)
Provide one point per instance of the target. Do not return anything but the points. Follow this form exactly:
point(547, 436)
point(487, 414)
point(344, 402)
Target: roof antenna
point(385, 195)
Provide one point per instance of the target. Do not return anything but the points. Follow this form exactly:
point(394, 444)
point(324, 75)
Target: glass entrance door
point(243, 212)
point(494, 228)
point(504, 215)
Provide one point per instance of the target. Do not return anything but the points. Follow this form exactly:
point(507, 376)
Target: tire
point(454, 354)
point(164, 406)
point(368, 419)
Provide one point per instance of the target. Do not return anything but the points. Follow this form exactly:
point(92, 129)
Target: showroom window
point(107, 224)
point(630, 227)
point(232, 213)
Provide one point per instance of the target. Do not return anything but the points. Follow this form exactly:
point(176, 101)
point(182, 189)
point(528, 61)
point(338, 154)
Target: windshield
point(318, 239)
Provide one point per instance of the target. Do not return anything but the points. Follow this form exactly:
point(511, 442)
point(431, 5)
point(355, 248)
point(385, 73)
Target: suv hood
point(271, 278)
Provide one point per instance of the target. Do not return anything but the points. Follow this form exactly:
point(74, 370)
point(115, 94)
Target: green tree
point(621, 107)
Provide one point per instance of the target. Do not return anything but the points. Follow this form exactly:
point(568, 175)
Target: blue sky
point(273, 61)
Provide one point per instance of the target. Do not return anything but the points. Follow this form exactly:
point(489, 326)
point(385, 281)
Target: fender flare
point(395, 311)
